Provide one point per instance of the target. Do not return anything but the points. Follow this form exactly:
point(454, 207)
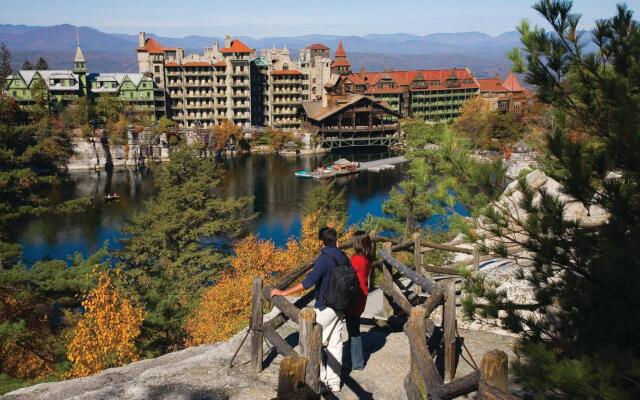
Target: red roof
point(171, 64)
point(405, 78)
point(340, 62)
point(152, 46)
point(197, 64)
point(286, 72)
point(236, 47)
point(220, 64)
point(511, 83)
point(317, 46)
point(340, 50)
point(491, 85)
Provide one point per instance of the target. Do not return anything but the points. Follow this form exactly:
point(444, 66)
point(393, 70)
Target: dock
point(380, 165)
point(372, 166)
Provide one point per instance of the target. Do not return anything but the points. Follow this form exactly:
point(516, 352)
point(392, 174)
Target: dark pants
point(355, 340)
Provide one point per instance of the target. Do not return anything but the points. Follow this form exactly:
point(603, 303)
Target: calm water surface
point(278, 197)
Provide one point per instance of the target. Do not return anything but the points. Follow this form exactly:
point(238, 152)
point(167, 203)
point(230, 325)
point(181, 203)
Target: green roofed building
point(133, 88)
point(65, 86)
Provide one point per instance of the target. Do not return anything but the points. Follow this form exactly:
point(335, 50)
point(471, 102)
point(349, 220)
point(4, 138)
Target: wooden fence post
point(414, 385)
point(387, 281)
point(311, 344)
point(417, 256)
point(291, 377)
point(449, 325)
point(256, 326)
point(495, 369)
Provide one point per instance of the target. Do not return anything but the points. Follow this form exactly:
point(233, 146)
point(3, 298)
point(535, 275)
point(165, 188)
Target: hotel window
point(157, 69)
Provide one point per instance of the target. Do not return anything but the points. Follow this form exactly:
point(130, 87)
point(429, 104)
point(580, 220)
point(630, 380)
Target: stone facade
point(230, 82)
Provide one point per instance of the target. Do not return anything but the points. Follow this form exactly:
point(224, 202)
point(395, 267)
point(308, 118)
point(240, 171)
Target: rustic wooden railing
point(299, 372)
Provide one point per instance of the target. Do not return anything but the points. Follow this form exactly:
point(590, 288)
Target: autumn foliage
point(225, 308)
point(106, 333)
point(18, 356)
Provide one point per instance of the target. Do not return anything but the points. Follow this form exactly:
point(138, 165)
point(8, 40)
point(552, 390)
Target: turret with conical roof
point(340, 64)
point(80, 69)
point(79, 63)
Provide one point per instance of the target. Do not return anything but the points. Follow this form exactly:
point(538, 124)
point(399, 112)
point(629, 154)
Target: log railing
point(299, 374)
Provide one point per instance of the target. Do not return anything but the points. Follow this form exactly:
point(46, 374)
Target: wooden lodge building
point(351, 120)
point(363, 109)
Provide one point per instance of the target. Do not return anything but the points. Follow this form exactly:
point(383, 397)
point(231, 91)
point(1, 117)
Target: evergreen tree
point(583, 340)
point(179, 244)
point(5, 64)
point(27, 66)
point(41, 64)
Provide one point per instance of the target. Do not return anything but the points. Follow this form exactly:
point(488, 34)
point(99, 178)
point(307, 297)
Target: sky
point(265, 18)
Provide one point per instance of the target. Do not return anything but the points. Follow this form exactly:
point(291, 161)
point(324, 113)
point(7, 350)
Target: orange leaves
point(225, 308)
point(223, 132)
point(106, 333)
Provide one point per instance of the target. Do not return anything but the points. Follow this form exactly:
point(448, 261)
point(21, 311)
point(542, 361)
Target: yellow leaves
point(106, 333)
point(225, 308)
point(224, 131)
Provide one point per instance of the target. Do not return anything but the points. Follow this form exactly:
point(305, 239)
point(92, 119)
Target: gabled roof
point(236, 47)
point(153, 46)
point(316, 111)
point(27, 76)
point(405, 78)
point(317, 46)
point(493, 85)
point(117, 77)
point(511, 83)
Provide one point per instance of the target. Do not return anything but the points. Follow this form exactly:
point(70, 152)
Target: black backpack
point(343, 286)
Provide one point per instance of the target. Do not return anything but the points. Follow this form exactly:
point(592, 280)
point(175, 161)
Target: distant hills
point(483, 54)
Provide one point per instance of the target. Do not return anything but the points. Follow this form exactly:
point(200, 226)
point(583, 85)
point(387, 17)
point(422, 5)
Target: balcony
point(192, 95)
point(200, 106)
point(198, 84)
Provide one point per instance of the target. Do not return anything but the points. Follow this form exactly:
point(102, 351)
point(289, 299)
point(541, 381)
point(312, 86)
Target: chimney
point(141, 39)
point(362, 71)
point(227, 41)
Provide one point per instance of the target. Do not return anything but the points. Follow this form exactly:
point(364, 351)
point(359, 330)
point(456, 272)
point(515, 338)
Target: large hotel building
point(270, 89)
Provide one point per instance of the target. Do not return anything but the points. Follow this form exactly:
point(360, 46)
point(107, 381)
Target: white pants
point(332, 339)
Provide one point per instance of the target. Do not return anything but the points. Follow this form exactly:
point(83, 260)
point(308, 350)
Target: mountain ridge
point(106, 52)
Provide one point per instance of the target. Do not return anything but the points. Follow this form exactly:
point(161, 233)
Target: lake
point(278, 197)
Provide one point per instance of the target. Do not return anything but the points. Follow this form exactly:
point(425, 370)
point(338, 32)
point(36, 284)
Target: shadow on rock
point(185, 392)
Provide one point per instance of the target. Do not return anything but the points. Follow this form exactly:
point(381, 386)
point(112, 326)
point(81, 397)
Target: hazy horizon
point(258, 19)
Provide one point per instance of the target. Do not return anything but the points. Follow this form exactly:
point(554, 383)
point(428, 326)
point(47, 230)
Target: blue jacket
point(319, 275)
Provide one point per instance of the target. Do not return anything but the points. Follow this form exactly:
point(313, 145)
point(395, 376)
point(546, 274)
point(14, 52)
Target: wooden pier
point(378, 165)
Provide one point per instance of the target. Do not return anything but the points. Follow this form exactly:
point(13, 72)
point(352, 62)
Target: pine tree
point(583, 339)
point(179, 244)
point(5, 64)
point(27, 66)
point(41, 64)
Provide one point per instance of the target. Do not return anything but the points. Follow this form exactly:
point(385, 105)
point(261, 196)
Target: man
point(325, 316)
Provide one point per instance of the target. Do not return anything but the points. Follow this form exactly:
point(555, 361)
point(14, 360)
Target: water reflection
point(278, 196)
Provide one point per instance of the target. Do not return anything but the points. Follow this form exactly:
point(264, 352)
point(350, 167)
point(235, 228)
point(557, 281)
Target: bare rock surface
point(203, 372)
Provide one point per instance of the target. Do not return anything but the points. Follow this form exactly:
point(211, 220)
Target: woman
point(361, 262)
